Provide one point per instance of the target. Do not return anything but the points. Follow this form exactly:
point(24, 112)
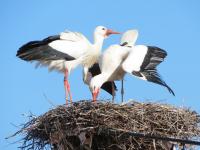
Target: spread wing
point(129, 38)
point(66, 46)
point(142, 62)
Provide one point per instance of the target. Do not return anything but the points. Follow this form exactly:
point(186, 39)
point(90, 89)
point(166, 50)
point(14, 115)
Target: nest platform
point(85, 125)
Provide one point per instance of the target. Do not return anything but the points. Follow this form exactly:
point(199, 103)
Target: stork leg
point(113, 92)
point(67, 88)
point(122, 91)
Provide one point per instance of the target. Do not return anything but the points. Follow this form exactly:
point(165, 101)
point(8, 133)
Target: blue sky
point(171, 24)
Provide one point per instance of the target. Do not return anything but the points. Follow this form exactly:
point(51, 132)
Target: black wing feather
point(153, 76)
point(39, 50)
point(153, 58)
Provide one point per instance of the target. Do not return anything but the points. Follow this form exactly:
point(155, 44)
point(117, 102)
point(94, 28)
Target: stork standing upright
point(66, 51)
point(140, 61)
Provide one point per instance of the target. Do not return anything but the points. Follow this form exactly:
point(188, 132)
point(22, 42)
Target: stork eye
point(103, 28)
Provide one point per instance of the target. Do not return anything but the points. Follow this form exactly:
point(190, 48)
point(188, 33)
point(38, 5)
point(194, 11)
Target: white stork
point(139, 60)
point(66, 51)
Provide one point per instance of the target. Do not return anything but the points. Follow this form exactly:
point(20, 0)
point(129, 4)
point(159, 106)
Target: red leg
point(67, 88)
point(69, 91)
point(66, 92)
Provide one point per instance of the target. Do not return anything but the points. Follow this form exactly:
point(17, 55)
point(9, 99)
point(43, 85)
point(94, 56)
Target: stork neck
point(98, 41)
point(101, 78)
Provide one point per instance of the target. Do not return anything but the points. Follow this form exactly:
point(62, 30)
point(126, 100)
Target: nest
point(85, 125)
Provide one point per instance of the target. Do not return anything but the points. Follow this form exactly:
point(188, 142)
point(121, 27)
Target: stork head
point(104, 32)
point(95, 86)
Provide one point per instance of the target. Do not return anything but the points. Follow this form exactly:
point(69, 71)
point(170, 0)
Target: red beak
point(95, 95)
point(108, 32)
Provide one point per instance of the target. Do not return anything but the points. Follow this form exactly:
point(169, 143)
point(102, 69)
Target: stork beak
point(109, 31)
point(95, 95)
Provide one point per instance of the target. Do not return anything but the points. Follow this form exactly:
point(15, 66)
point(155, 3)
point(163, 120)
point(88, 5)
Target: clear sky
point(173, 25)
